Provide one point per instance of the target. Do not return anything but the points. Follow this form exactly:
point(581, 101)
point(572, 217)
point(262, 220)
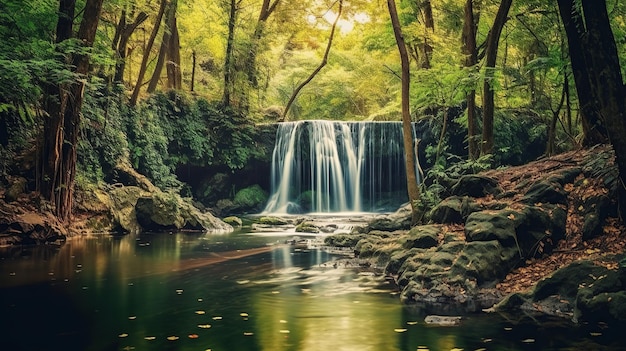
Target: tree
point(471, 59)
point(319, 68)
point(407, 127)
point(123, 32)
point(62, 126)
point(146, 54)
point(169, 47)
point(598, 76)
point(491, 54)
point(229, 64)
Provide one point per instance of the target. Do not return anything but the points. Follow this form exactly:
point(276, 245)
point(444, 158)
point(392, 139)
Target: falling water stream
point(330, 166)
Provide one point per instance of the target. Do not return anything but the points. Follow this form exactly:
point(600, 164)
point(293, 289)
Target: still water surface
point(236, 291)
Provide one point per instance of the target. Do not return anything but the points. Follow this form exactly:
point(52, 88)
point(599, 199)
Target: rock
point(307, 227)
point(422, 237)
point(444, 321)
point(454, 209)
point(126, 175)
point(596, 210)
point(123, 201)
point(249, 200)
point(546, 192)
point(270, 220)
point(401, 219)
point(344, 240)
point(533, 230)
point(234, 221)
point(166, 211)
point(492, 225)
point(475, 185)
point(213, 188)
point(581, 290)
point(16, 188)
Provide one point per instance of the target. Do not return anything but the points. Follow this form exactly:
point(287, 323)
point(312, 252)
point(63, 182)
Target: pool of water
point(237, 291)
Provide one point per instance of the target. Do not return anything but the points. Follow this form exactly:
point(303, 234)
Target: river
point(245, 290)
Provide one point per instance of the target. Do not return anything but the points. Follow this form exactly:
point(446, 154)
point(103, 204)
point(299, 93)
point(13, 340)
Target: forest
point(242, 174)
point(168, 85)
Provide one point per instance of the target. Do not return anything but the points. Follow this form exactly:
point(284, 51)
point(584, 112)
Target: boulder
point(168, 211)
point(532, 230)
point(475, 185)
point(249, 200)
point(546, 192)
point(581, 290)
point(454, 209)
point(399, 220)
point(233, 221)
point(422, 237)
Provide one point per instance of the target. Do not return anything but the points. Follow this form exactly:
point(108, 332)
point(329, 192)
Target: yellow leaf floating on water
point(283, 321)
point(150, 338)
point(528, 341)
point(192, 336)
point(241, 282)
point(275, 292)
point(123, 335)
point(217, 318)
point(248, 333)
point(204, 326)
point(411, 322)
point(173, 338)
point(179, 291)
point(200, 312)
point(285, 331)
point(422, 348)
point(508, 328)
point(595, 334)
point(132, 317)
point(456, 349)
point(400, 330)
point(243, 314)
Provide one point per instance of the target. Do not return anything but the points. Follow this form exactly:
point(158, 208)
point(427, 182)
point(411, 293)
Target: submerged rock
point(445, 321)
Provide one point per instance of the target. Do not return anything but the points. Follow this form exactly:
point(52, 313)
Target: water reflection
point(231, 292)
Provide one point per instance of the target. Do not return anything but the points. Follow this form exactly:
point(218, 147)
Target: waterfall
point(329, 166)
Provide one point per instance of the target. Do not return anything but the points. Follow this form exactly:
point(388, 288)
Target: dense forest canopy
point(247, 57)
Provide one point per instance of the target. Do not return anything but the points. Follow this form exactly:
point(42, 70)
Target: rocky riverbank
point(542, 238)
point(132, 205)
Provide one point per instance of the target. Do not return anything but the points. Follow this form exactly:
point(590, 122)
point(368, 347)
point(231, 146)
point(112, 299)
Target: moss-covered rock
point(168, 211)
point(475, 185)
point(271, 220)
point(250, 199)
point(454, 209)
point(307, 227)
point(421, 237)
point(234, 221)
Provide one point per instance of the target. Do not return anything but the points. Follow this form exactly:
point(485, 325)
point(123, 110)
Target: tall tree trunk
point(267, 8)
point(146, 54)
point(429, 29)
point(594, 132)
point(170, 18)
point(193, 70)
point(407, 128)
point(62, 127)
point(174, 74)
point(471, 59)
point(491, 54)
point(228, 61)
point(123, 33)
point(319, 68)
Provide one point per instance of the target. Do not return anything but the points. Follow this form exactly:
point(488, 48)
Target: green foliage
point(250, 197)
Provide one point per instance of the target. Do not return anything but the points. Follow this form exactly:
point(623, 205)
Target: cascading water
point(328, 166)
